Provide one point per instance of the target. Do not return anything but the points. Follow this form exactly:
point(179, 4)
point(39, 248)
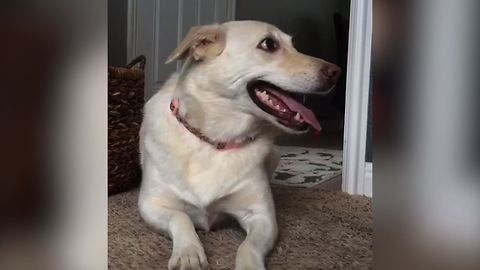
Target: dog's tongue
point(296, 106)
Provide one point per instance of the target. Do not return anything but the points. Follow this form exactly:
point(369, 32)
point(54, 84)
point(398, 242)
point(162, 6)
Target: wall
point(310, 21)
point(311, 24)
point(117, 32)
point(157, 27)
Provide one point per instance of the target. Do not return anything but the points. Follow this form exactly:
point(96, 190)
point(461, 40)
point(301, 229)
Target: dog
point(206, 141)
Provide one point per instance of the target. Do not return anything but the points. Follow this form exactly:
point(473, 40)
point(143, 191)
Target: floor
point(328, 140)
point(334, 184)
point(319, 229)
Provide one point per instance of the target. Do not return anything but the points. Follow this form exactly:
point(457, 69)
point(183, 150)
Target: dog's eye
point(268, 44)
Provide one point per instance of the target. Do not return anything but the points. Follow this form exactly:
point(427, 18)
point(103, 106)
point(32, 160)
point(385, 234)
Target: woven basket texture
point(125, 105)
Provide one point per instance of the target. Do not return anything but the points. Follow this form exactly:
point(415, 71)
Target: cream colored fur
point(186, 182)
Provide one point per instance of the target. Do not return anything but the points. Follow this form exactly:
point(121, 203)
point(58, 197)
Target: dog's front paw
point(191, 258)
point(248, 259)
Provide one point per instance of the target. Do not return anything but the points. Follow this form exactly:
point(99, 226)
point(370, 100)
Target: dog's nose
point(330, 72)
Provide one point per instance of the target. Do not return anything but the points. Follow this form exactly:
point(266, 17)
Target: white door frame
point(357, 173)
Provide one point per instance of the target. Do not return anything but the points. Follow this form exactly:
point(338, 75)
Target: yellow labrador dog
point(206, 139)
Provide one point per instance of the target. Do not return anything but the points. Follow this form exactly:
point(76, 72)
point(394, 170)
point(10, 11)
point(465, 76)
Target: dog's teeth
point(262, 95)
point(298, 117)
point(277, 107)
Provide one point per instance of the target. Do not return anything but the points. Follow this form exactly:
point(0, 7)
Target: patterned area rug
point(307, 167)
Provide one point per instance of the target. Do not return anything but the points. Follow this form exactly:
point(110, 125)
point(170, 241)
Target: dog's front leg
point(261, 231)
point(254, 209)
point(187, 251)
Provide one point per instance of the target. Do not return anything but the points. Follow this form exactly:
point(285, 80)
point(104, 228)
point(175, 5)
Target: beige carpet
point(318, 230)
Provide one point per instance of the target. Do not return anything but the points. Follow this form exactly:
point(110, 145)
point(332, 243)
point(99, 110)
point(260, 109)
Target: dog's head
point(256, 65)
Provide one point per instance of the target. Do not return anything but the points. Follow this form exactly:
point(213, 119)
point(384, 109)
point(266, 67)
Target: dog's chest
point(211, 175)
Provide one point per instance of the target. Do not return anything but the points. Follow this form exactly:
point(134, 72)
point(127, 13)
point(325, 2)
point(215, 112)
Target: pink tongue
point(296, 106)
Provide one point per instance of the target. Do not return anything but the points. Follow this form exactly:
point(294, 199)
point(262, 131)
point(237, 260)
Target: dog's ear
point(201, 43)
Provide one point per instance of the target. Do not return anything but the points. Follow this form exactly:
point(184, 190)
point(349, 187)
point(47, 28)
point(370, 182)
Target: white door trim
point(368, 182)
point(356, 108)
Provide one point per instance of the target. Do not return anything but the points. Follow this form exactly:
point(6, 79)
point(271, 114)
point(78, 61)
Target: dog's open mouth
point(285, 106)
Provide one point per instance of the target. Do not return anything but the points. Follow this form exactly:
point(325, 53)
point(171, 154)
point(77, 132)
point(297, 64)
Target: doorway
point(338, 31)
point(319, 29)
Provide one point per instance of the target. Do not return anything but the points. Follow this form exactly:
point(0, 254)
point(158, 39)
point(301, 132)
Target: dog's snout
point(330, 72)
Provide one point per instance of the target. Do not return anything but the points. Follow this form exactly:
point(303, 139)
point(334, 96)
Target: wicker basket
point(125, 105)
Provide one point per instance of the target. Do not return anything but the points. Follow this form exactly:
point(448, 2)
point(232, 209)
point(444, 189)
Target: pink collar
point(174, 107)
